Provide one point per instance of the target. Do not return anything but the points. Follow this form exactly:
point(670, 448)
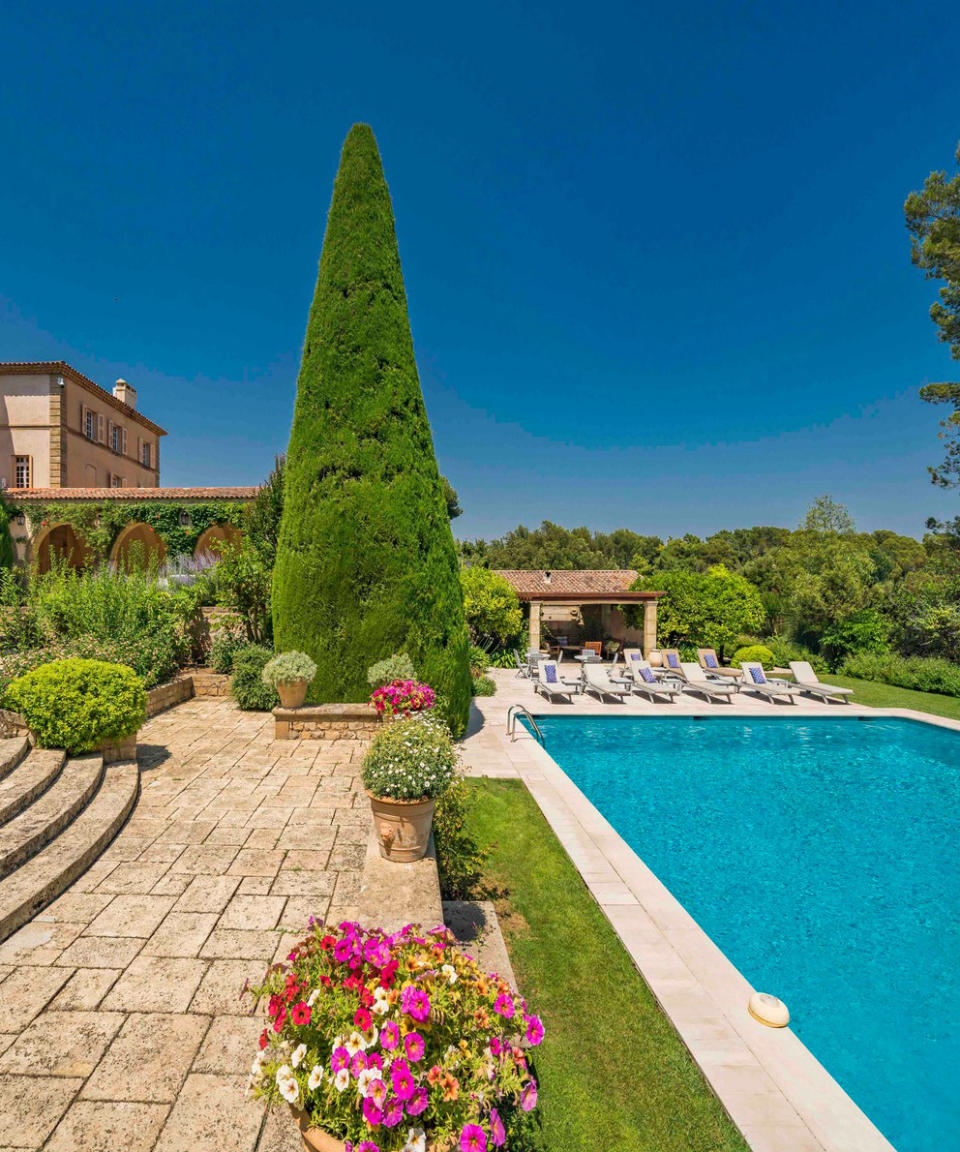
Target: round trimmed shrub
point(246, 685)
point(79, 704)
point(396, 667)
point(288, 667)
point(754, 653)
point(484, 686)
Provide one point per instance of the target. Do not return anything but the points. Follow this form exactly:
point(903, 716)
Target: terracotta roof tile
point(598, 581)
point(130, 493)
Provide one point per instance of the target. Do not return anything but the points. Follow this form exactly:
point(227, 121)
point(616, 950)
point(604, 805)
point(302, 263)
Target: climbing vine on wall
point(98, 525)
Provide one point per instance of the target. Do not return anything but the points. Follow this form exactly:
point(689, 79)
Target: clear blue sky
point(655, 255)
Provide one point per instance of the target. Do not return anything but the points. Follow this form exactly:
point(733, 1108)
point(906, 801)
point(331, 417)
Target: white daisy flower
point(342, 1080)
point(298, 1054)
point(313, 1083)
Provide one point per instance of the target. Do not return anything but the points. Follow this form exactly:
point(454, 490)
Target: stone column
point(649, 626)
point(534, 637)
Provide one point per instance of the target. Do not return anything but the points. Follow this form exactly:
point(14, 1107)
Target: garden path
point(120, 1019)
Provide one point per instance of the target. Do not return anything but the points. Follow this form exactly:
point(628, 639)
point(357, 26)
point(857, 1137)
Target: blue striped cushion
point(648, 675)
point(758, 676)
point(550, 672)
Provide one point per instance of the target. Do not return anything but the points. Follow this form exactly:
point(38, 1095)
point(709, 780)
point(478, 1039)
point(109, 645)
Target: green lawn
point(614, 1075)
point(888, 696)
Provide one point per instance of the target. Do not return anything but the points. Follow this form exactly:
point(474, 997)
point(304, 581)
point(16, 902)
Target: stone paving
point(120, 1019)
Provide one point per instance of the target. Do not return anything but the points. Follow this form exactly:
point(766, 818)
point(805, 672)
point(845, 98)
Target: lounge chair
point(808, 681)
point(695, 680)
point(711, 665)
point(631, 658)
point(645, 681)
point(671, 661)
point(548, 682)
point(597, 680)
point(755, 680)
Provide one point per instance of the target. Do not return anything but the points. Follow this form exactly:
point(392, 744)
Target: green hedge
point(79, 704)
point(923, 673)
point(247, 686)
point(366, 563)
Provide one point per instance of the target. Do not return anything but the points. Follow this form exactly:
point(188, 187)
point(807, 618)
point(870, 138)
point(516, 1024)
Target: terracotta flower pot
point(292, 693)
point(403, 827)
point(316, 1140)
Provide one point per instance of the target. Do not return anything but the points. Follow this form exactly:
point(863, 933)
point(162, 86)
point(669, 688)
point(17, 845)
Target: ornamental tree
point(366, 563)
point(491, 605)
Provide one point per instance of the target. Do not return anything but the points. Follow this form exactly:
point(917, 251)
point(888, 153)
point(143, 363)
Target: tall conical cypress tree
point(366, 564)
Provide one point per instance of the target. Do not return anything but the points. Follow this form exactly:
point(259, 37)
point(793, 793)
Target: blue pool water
point(821, 856)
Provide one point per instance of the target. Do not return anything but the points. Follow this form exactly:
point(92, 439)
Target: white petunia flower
point(355, 1043)
point(316, 1076)
point(284, 1072)
point(289, 1090)
point(342, 1079)
point(450, 972)
point(370, 1036)
point(366, 1078)
point(416, 1141)
point(298, 1054)
point(312, 999)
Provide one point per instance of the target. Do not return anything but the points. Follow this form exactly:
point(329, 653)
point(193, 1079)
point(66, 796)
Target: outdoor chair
point(695, 680)
point(630, 658)
point(711, 665)
point(522, 670)
point(755, 680)
point(594, 647)
point(808, 681)
point(596, 680)
point(644, 681)
point(549, 683)
point(672, 664)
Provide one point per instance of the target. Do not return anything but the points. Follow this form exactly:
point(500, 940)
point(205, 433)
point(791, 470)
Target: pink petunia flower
point(416, 1003)
point(339, 1058)
point(473, 1139)
point(418, 1104)
point(392, 1113)
point(414, 1046)
point(504, 1005)
point(402, 1079)
point(528, 1098)
point(534, 1029)
point(498, 1134)
point(377, 1092)
point(367, 1146)
point(371, 1113)
point(390, 1035)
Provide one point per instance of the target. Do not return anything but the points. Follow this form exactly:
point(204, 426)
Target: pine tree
point(366, 563)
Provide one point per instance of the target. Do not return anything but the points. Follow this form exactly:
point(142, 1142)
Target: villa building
point(58, 429)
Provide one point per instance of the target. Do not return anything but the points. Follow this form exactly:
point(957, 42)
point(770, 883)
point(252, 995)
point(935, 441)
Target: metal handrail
point(512, 713)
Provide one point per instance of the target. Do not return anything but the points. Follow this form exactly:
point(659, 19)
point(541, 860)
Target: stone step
point(46, 817)
point(44, 876)
point(12, 751)
point(28, 780)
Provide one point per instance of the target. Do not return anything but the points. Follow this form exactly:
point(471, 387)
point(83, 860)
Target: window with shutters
point(116, 437)
point(89, 424)
point(22, 471)
point(116, 482)
point(145, 456)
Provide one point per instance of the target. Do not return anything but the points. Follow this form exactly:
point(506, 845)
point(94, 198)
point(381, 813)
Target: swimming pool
point(821, 856)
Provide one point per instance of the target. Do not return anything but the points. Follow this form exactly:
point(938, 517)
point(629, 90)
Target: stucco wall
point(88, 463)
point(25, 425)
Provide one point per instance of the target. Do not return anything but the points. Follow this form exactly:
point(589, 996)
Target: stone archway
point(58, 543)
point(214, 535)
point(137, 544)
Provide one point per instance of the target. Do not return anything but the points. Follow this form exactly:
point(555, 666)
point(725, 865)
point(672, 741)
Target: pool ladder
point(512, 713)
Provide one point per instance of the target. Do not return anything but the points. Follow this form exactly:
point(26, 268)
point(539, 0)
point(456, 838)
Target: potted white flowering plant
point(289, 674)
point(395, 1043)
point(410, 763)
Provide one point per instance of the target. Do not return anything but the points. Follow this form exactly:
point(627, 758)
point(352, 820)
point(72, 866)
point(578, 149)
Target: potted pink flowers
point(395, 1043)
point(402, 698)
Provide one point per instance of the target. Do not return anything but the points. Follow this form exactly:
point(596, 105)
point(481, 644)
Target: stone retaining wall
point(326, 722)
point(207, 683)
point(196, 682)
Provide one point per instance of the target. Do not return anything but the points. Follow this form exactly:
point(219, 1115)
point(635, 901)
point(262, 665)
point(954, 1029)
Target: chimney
point(125, 393)
point(546, 577)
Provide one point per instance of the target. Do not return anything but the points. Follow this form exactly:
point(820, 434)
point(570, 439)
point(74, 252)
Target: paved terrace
point(120, 1022)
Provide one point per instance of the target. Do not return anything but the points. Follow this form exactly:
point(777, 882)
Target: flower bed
point(391, 1043)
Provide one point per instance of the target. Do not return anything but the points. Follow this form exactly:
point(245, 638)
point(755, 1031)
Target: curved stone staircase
point(56, 816)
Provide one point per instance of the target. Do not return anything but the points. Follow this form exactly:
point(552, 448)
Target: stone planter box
point(326, 722)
